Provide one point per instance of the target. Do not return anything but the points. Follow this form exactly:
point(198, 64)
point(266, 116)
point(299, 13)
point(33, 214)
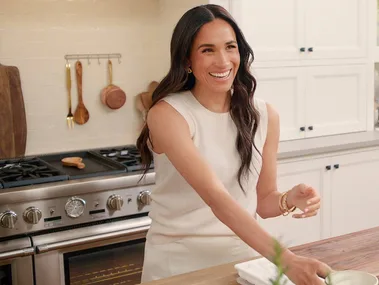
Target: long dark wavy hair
point(242, 110)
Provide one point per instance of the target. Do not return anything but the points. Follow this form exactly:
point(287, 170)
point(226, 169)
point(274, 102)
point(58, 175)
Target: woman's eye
point(207, 50)
point(231, 47)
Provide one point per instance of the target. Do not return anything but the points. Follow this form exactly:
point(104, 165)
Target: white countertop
point(320, 145)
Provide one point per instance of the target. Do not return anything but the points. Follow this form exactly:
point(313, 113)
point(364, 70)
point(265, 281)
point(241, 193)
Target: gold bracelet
point(284, 206)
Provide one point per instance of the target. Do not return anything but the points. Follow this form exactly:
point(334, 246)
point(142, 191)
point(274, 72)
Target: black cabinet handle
point(302, 129)
point(310, 49)
point(328, 167)
point(310, 128)
point(336, 166)
point(302, 49)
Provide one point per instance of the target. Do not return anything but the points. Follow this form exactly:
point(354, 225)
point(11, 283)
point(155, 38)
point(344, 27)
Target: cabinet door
point(335, 99)
point(336, 28)
point(290, 231)
point(354, 192)
point(273, 28)
point(284, 89)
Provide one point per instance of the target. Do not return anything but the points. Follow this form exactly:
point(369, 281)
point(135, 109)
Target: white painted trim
point(370, 96)
point(373, 49)
point(318, 62)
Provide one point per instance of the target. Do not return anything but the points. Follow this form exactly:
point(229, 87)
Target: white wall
point(36, 34)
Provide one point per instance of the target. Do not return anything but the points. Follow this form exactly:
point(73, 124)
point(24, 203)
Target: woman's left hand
point(305, 198)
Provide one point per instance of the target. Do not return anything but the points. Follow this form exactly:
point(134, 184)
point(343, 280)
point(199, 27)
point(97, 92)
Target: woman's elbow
point(262, 214)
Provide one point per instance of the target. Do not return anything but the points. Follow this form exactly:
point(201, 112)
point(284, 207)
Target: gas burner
point(128, 155)
point(27, 171)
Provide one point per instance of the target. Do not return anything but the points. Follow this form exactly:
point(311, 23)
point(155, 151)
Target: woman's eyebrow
point(212, 45)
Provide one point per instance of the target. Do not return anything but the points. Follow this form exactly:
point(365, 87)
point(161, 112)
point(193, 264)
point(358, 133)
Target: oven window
point(113, 264)
point(5, 274)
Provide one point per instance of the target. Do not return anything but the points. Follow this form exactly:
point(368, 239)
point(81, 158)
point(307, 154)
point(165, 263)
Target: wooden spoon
point(152, 86)
point(146, 100)
point(81, 115)
point(140, 107)
point(73, 161)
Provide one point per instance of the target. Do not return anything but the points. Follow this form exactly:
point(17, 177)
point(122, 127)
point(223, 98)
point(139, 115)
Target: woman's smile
point(221, 75)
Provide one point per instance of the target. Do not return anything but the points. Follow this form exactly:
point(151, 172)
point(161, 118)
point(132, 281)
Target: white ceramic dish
point(352, 277)
point(260, 271)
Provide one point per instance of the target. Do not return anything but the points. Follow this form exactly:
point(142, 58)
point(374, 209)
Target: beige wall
point(36, 34)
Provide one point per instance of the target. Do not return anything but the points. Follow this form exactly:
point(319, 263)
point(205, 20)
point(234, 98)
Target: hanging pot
point(112, 96)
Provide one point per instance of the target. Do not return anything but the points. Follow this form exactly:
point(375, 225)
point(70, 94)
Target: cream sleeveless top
point(177, 211)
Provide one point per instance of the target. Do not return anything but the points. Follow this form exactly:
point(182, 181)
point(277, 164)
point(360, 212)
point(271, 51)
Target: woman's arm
point(268, 196)
point(170, 135)
point(301, 195)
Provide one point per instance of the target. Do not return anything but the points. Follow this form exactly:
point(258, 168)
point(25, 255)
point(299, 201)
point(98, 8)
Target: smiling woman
point(214, 61)
point(214, 147)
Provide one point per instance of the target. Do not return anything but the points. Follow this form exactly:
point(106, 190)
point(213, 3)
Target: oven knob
point(32, 215)
point(144, 198)
point(8, 219)
point(115, 202)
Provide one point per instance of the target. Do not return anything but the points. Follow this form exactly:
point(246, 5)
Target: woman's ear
point(188, 64)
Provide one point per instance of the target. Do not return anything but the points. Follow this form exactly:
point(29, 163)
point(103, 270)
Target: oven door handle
point(139, 232)
point(17, 253)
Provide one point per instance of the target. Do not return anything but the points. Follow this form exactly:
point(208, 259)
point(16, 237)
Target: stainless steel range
point(76, 226)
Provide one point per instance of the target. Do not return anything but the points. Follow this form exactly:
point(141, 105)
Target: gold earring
point(189, 70)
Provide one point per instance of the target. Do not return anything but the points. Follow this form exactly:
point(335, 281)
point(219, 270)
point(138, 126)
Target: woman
point(214, 148)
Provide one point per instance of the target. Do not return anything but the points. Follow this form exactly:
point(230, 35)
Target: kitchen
point(37, 36)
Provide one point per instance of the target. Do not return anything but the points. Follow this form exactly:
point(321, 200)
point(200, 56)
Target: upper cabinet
point(274, 28)
point(315, 101)
point(336, 28)
point(301, 31)
point(312, 62)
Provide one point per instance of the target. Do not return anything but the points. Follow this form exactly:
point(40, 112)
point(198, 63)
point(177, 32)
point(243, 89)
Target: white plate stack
point(258, 272)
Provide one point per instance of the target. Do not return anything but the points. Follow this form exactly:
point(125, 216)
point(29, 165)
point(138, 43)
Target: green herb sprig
point(281, 270)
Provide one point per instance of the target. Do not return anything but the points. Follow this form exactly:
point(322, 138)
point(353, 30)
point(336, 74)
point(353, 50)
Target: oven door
point(109, 253)
point(16, 265)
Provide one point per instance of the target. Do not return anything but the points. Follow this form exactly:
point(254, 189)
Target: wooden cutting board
point(13, 128)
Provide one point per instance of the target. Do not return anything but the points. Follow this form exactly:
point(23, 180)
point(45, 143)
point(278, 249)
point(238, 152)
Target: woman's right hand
point(306, 271)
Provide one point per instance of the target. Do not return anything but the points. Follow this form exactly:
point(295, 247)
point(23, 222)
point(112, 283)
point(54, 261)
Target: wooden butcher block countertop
point(359, 251)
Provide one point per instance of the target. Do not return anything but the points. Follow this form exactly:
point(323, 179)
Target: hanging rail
point(97, 56)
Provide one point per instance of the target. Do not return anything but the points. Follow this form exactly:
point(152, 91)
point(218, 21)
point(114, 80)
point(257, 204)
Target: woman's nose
point(222, 58)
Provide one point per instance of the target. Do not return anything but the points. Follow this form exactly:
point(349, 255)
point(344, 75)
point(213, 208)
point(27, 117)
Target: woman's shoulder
point(269, 117)
point(178, 102)
point(265, 108)
point(177, 97)
point(261, 105)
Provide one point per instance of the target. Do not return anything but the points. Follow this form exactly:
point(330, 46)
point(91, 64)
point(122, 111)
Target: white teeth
point(221, 75)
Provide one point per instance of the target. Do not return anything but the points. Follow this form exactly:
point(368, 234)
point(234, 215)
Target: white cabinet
point(273, 28)
point(315, 100)
point(336, 28)
point(349, 188)
point(290, 231)
point(284, 89)
point(336, 98)
point(282, 30)
point(354, 195)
